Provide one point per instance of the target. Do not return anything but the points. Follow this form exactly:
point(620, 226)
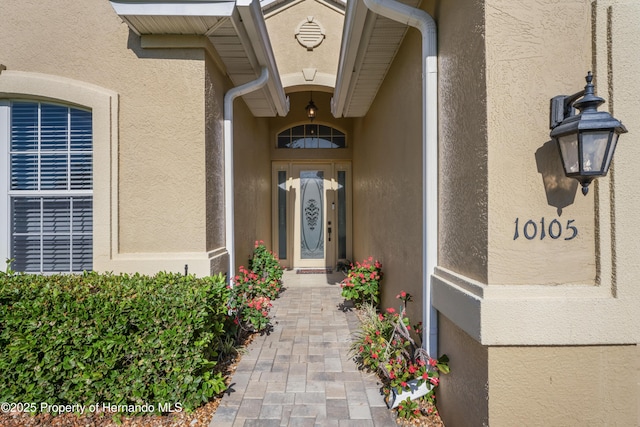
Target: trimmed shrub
point(120, 339)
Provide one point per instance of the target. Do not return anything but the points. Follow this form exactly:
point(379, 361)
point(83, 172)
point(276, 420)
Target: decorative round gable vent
point(310, 33)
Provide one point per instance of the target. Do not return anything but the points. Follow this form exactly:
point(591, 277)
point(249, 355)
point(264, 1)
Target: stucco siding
point(621, 51)
point(562, 386)
point(252, 186)
point(556, 257)
point(387, 168)
point(158, 179)
point(463, 142)
point(463, 395)
point(214, 91)
point(536, 386)
point(535, 51)
point(554, 312)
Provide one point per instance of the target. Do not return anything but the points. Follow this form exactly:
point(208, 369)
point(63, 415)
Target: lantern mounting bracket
point(562, 107)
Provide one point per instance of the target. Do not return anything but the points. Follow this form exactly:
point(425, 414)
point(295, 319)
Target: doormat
point(314, 271)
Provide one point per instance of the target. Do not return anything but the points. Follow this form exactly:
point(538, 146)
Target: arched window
point(311, 136)
point(49, 189)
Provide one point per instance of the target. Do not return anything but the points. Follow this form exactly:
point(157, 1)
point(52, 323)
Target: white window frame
point(5, 132)
point(6, 193)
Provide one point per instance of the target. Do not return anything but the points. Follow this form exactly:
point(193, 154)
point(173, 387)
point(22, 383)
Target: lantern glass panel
point(614, 142)
point(594, 148)
point(569, 149)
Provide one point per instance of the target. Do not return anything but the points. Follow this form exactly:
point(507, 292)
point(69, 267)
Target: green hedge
point(119, 339)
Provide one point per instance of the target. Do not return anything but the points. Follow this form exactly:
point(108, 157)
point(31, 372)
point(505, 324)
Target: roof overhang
point(369, 44)
point(237, 31)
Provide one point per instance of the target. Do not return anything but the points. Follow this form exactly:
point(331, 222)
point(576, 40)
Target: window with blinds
point(50, 187)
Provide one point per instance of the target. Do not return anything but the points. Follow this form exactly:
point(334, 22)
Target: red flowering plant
point(253, 289)
point(408, 366)
point(363, 282)
point(385, 345)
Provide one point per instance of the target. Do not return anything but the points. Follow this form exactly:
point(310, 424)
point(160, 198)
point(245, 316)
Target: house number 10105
point(531, 229)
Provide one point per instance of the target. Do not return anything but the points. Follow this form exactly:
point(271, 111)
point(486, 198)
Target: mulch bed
point(201, 417)
point(423, 421)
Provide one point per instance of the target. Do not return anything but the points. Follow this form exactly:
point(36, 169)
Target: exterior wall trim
point(524, 315)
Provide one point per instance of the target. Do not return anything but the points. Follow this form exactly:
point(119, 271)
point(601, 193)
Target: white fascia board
point(159, 8)
point(354, 23)
point(256, 29)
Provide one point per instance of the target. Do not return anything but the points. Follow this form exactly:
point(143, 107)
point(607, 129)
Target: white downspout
point(421, 20)
point(229, 97)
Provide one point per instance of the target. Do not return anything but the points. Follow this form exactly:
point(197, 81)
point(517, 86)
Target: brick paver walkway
point(301, 374)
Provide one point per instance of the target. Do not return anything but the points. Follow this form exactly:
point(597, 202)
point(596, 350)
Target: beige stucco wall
point(562, 386)
point(624, 86)
point(544, 281)
point(533, 52)
point(214, 90)
point(282, 22)
point(463, 214)
point(252, 182)
point(387, 170)
point(463, 393)
point(156, 215)
point(493, 99)
point(462, 103)
point(545, 310)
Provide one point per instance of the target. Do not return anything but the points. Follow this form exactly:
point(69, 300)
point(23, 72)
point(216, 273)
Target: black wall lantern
point(586, 140)
point(311, 108)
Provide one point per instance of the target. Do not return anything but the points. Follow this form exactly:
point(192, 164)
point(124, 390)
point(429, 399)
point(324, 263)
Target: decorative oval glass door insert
point(312, 214)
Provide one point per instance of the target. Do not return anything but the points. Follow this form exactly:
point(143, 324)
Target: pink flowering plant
point(256, 313)
point(363, 282)
point(254, 288)
point(385, 344)
point(266, 266)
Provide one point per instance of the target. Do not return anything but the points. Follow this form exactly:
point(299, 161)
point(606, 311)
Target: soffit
point(236, 32)
point(271, 7)
point(369, 44)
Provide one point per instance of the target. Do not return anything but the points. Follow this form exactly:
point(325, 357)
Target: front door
point(313, 222)
point(311, 215)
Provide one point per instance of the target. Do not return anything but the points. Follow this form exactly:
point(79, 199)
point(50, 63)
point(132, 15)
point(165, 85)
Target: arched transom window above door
point(311, 136)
